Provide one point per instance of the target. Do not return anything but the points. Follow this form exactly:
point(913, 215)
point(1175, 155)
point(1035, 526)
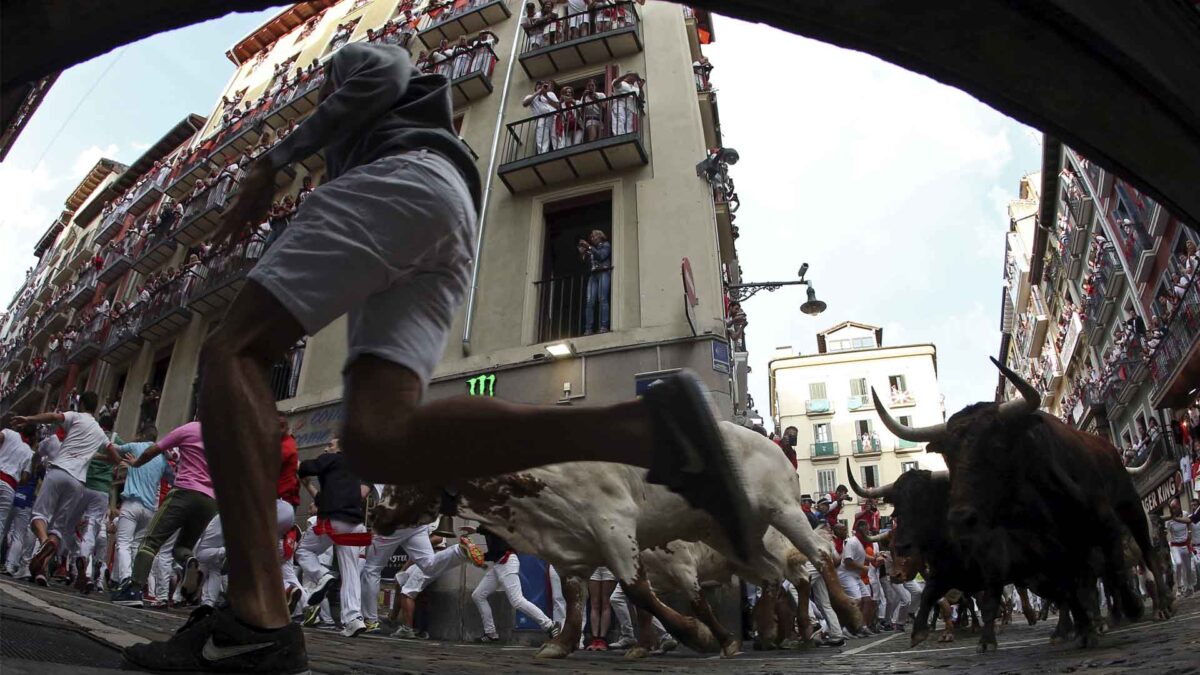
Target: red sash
point(12, 482)
point(325, 527)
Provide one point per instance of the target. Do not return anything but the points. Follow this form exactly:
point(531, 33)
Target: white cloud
point(140, 146)
point(86, 159)
point(25, 216)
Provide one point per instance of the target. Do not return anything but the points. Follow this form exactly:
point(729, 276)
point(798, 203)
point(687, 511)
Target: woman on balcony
point(579, 19)
point(591, 103)
point(596, 253)
point(461, 54)
point(541, 103)
point(628, 88)
point(482, 54)
point(568, 124)
point(550, 31)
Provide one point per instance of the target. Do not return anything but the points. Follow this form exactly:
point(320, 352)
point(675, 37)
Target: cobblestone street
point(52, 630)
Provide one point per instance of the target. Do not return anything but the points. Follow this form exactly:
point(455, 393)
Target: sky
point(891, 186)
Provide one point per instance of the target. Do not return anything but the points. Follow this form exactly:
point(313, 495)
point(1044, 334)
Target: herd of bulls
point(1027, 500)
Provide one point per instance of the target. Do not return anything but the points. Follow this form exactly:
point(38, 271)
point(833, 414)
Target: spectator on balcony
point(482, 53)
point(592, 107)
point(102, 308)
point(1182, 280)
point(287, 130)
point(702, 68)
point(596, 253)
point(541, 103)
point(422, 63)
point(460, 55)
point(579, 18)
point(551, 31)
point(625, 109)
point(531, 23)
point(306, 188)
point(440, 59)
point(568, 124)
point(54, 343)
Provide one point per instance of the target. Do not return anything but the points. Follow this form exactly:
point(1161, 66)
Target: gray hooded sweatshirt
point(380, 106)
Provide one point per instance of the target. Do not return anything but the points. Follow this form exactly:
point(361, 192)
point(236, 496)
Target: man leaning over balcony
point(389, 239)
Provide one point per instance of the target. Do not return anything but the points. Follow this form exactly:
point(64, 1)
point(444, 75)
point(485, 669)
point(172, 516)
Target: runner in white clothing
point(16, 461)
point(1179, 536)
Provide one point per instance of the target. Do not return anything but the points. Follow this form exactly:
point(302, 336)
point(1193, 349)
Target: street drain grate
point(34, 642)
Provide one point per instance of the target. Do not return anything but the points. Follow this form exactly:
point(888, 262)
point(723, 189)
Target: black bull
point(1029, 501)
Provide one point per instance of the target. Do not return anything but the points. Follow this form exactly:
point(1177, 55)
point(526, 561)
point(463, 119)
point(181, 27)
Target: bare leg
point(241, 438)
point(606, 591)
point(384, 420)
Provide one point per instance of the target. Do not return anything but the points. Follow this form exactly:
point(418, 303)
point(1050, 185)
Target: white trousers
point(1181, 562)
point(93, 506)
point(820, 597)
point(132, 523)
point(210, 553)
point(160, 571)
point(415, 541)
point(313, 545)
point(507, 576)
point(6, 502)
point(20, 540)
point(56, 503)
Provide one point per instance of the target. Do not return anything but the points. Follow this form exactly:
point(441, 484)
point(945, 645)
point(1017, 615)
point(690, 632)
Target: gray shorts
point(390, 243)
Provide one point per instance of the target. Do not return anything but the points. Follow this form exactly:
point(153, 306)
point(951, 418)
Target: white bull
point(582, 515)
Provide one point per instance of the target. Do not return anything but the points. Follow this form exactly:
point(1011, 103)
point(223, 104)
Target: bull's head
point(979, 444)
point(919, 501)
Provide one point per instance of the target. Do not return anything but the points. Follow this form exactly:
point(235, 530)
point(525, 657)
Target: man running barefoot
point(389, 240)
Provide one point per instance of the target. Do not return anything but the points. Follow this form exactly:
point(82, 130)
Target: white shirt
point(852, 550)
point(83, 438)
point(542, 104)
point(15, 455)
point(49, 447)
point(1177, 532)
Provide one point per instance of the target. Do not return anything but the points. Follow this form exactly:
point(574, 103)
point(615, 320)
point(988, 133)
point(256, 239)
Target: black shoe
point(828, 642)
point(691, 458)
point(128, 595)
point(218, 642)
point(190, 585)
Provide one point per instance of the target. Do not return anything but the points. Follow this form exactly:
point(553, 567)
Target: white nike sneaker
point(355, 627)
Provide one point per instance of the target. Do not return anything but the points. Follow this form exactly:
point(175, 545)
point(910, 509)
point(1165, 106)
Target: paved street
point(50, 630)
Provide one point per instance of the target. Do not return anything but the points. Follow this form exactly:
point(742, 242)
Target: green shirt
point(100, 472)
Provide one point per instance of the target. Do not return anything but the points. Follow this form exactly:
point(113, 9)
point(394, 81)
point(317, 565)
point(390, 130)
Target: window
point(897, 382)
point(1126, 439)
point(858, 387)
point(826, 480)
point(870, 476)
point(566, 308)
point(907, 466)
point(821, 433)
point(863, 428)
point(816, 390)
point(906, 420)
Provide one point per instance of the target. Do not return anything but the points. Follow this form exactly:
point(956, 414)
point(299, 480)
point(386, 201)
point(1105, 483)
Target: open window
point(575, 288)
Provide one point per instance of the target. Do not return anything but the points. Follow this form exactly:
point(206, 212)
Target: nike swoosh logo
point(213, 652)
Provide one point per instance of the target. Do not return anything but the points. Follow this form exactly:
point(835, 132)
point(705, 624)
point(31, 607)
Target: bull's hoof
point(764, 645)
point(732, 649)
point(1058, 638)
point(918, 636)
point(1089, 639)
point(1102, 626)
point(552, 650)
point(948, 636)
point(1161, 615)
point(1031, 618)
point(790, 643)
point(637, 652)
point(985, 645)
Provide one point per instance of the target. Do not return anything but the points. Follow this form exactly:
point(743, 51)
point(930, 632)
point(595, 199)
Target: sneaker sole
point(319, 594)
point(129, 603)
point(294, 600)
point(191, 579)
point(39, 559)
point(718, 488)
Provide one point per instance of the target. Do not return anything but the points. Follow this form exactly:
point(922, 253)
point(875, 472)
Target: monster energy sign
point(482, 385)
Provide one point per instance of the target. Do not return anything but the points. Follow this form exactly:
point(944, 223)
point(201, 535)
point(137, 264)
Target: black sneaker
point(189, 587)
point(219, 642)
point(691, 458)
point(128, 595)
point(41, 559)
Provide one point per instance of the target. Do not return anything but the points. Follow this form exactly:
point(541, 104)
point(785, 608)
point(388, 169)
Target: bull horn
point(1030, 399)
point(875, 492)
point(876, 538)
point(1135, 470)
point(914, 434)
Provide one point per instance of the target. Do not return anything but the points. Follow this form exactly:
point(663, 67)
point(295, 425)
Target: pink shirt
point(192, 471)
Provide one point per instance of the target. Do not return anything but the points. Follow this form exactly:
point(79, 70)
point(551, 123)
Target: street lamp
point(743, 292)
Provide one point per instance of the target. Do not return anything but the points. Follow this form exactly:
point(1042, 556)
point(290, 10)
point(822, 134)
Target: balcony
point(167, 311)
point(699, 29)
point(25, 394)
point(454, 22)
point(184, 179)
point(1071, 340)
point(818, 406)
point(145, 196)
point(827, 450)
point(535, 154)
point(472, 80)
point(903, 398)
point(122, 341)
point(710, 121)
point(294, 103)
point(1175, 364)
point(90, 341)
point(621, 36)
point(726, 205)
point(201, 215)
point(63, 274)
point(285, 373)
point(1039, 322)
point(234, 140)
point(56, 368)
point(151, 251)
point(110, 227)
point(563, 308)
point(219, 279)
point(866, 447)
point(83, 290)
point(116, 263)
point(906, 446)
point(858, 402)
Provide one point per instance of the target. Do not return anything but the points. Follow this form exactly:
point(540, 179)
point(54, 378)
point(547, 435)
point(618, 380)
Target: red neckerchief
point(838, 544)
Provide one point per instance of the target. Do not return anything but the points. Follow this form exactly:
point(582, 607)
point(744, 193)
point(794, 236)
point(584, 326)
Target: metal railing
point(167, 300)
point(212, 197)
point(907, 445)
point(94, 333)
point(602, 20)
point(438, 18)
point(869, 447)
point(480, 59)
point(226, 266)
point(824, 449)
point(285, 373)
point(818, 406)
point(614, 116)
point(124, 327)
point(562, 304)
point(56, 360)
point(1180, 333)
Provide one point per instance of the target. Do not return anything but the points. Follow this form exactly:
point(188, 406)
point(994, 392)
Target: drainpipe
point(487, 193)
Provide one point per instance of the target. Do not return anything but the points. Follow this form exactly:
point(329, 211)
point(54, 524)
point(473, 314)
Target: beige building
point(827, 397)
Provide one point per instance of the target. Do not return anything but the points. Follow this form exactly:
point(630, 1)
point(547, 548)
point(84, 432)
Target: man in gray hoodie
point(388, 239)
